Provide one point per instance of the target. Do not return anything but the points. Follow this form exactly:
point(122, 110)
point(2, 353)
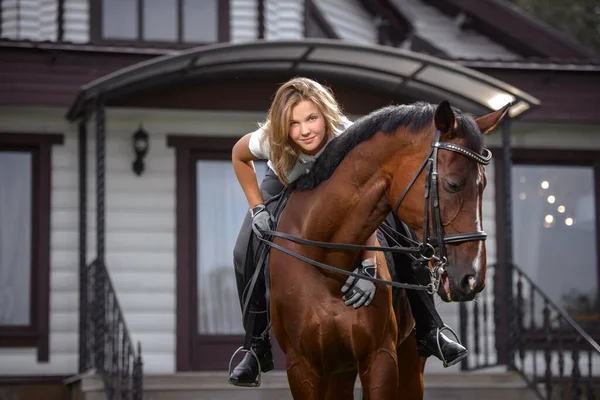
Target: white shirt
point(304, 163)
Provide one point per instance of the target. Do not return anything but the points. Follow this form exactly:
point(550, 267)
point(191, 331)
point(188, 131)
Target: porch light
point(140, 149)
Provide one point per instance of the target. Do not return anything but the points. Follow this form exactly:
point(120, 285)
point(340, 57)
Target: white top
point(304, 163)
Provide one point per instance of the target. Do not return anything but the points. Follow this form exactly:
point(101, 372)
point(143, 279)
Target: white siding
point(284, 19)
point(349, 20)
point(29, 19)
point(76, 22)
point(140, 229)
point(243, 20)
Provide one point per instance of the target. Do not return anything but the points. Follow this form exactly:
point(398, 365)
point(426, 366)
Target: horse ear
point(489, 121)
point(445, 121)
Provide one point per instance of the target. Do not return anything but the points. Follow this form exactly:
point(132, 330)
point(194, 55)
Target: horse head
point(454, 181)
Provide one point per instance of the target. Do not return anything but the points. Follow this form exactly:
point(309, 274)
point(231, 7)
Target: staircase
point(551, 352)
point(214, 386)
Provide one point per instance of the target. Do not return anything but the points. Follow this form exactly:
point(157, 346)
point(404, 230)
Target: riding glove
point(362, 291)
point(261, 219)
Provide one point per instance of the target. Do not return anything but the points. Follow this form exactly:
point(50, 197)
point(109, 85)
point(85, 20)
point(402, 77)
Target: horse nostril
point(469, 283)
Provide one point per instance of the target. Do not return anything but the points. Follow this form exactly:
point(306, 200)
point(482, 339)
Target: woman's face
point(307, 127)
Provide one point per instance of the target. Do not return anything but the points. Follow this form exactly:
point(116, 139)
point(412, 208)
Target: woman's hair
point(283, 150)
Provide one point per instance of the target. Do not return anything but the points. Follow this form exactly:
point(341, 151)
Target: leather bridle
point(438, 240)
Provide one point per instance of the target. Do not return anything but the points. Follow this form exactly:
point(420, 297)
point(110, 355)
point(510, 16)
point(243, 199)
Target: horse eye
point(452, 187)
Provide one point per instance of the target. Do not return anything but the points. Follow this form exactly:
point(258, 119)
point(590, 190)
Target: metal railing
point(550, 350)
point(108, 345)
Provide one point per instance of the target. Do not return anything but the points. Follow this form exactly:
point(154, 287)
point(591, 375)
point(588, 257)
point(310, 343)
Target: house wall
point(243, 21)
point(140, 222)
point(140, 229)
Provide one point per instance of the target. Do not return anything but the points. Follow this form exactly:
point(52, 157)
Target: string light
point(569, 221)
point(545, 185)
point(549, 219)
point(561, 209)
point(551, 199)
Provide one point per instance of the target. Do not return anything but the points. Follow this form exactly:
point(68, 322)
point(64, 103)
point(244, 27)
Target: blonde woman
point(303, 118)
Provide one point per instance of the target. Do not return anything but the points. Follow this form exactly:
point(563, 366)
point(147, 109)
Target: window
point(25, 164)
point(221, 207)
point(554, 237)
point(160, 21)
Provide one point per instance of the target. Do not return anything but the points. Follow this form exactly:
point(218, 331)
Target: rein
point(423, 253)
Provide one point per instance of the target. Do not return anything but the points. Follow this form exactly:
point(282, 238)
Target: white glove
point(360, 292)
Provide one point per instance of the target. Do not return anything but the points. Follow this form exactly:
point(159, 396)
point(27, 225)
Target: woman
point(303, 118)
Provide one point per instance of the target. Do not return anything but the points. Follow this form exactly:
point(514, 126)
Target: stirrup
point(256, 383)
point(437, 338)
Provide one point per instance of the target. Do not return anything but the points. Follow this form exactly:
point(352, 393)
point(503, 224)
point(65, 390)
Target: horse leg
point(304, 382)
point(410, 370)
point(379, 375)
point(341, 386)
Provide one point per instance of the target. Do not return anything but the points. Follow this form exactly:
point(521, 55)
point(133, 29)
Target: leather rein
point(422, 253)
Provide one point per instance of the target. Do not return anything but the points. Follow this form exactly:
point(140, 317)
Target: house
point(123, 256)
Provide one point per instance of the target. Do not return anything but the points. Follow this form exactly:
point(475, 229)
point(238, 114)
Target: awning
point(383, 68)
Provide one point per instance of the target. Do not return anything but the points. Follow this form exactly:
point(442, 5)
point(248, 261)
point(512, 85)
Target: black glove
point(262, 220)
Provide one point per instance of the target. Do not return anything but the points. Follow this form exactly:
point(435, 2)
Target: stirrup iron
point(256, 383)
point(439, 347)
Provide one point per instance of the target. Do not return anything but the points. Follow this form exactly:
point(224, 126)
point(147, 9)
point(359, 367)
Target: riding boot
point(246, 373)
point(430, 340)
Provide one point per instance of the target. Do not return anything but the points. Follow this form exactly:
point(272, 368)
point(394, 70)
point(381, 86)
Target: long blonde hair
point(283, 151)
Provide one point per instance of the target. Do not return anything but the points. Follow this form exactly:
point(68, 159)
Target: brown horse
point(354, 185)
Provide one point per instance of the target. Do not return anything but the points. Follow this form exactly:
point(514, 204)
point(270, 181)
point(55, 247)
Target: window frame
point(96, 34)
point(36, 334)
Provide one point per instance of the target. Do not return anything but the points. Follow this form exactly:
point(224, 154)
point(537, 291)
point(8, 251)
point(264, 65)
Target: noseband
point(437, 240)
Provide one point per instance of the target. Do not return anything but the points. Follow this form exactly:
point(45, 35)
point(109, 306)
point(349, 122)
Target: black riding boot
point(247, 371)
point(428, 335)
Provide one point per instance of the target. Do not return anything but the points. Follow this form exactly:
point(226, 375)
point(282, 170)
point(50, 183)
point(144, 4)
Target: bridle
point(423, 253)
point(437, 240)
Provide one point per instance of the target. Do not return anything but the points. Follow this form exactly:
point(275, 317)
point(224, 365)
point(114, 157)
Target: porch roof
point(385, 69)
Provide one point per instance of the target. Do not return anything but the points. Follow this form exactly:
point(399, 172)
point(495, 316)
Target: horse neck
point(351, 204)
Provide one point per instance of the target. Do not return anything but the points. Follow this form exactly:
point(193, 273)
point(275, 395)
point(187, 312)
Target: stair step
point(214, 386)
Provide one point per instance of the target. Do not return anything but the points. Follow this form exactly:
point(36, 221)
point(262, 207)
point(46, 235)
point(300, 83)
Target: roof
point(385, 68)
point(448, 35)
point(507, 24)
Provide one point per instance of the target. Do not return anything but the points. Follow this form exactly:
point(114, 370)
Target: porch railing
point(551, 352)
point(108, 345)
point(105, 344)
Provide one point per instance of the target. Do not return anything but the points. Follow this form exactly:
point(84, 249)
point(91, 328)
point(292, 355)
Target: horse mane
point(416, 117)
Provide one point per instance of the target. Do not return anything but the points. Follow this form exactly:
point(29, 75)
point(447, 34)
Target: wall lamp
point(140, 149)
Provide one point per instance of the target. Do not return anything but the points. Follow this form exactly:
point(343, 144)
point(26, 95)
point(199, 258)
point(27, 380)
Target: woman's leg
point(426, 326)
point(246, 372)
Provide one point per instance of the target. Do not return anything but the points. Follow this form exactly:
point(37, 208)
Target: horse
point(426, 165)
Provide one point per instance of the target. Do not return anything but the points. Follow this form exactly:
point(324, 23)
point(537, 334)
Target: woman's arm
point(243, 165)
